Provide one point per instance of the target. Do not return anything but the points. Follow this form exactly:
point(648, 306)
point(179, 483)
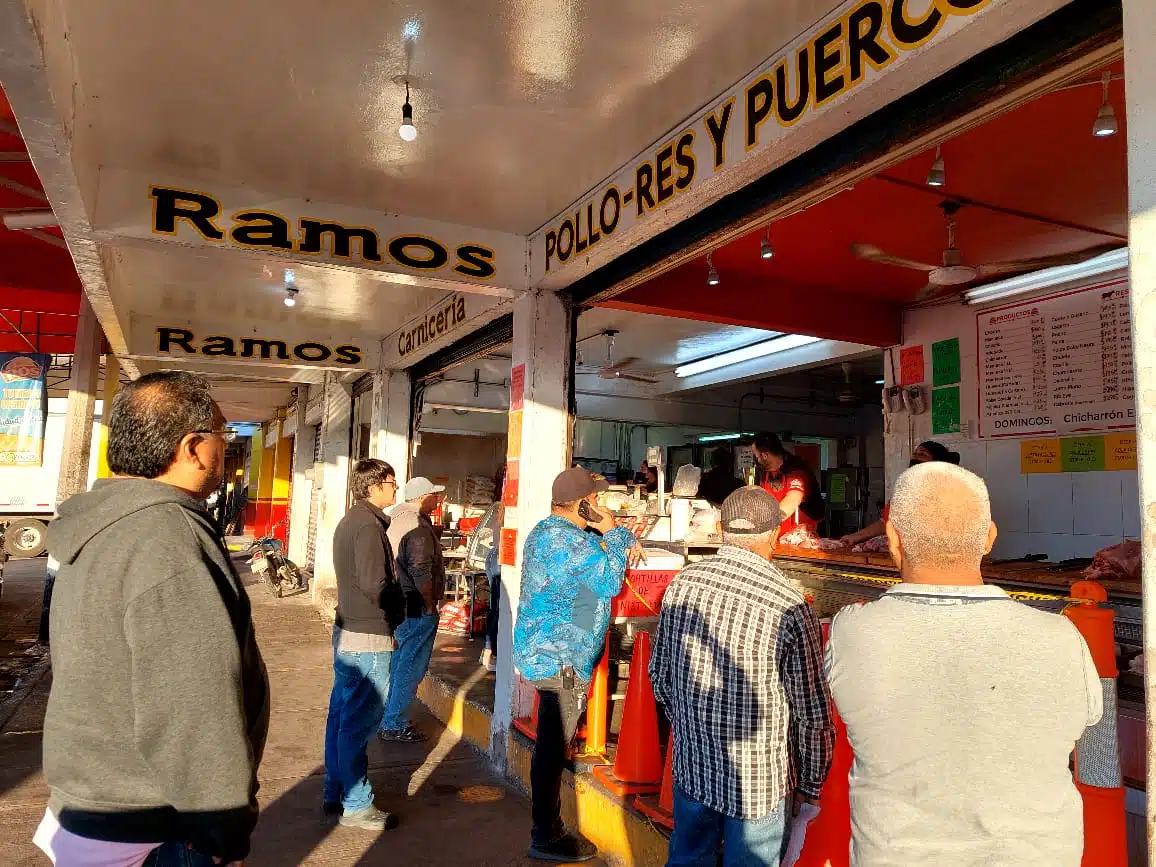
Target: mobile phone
point(587, 514)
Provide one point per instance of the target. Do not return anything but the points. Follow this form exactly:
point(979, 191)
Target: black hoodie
point(160, 701)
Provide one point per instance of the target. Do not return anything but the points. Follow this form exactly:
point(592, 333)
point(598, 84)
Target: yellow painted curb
point(623, 837)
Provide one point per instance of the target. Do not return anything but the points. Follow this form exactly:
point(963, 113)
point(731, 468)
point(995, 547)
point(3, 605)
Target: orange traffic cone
point(1098, 776)
point(661, 812)
point(528, 725)
point(597, 708)
point(637, 765)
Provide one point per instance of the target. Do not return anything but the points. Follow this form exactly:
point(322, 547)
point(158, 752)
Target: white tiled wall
point(1062, 515)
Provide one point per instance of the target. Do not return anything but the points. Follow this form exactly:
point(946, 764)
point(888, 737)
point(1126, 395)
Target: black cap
point(750, 511)
point(574, 484)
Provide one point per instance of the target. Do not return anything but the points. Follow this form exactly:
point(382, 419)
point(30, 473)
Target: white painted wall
point(1062, 514)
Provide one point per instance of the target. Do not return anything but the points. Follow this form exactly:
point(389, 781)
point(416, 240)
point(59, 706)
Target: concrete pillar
point(111, 387)
point(302, 488)
point(1140, 71)
point(282, 483)
point(539, 449)
point(332, 474)
point(253, 511)
point(76, 454)
point(77, 451)
point(389, 439)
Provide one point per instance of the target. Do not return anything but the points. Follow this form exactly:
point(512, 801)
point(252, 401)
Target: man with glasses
point(370, 606)
point(160, 702)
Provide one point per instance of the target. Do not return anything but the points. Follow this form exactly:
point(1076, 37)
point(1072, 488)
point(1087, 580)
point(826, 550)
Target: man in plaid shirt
point(738, 666)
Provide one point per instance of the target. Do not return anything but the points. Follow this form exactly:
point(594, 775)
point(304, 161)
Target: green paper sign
point(837, 488)
point(945, 410)
point(945, 362)
point(1082, 454)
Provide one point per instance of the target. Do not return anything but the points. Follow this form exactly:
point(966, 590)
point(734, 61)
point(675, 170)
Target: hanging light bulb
point(290, 288)
point(766, 251)
point(407, 130)
point(937, 176)
point(1105, 124)
point(712, 278)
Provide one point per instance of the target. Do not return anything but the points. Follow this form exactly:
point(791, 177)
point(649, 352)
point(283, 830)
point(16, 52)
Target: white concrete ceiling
point(521, 105)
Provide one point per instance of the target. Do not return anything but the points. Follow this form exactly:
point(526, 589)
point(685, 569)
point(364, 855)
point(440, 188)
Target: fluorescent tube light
point(714, 438)
point(1048, 278)
point(747, 353)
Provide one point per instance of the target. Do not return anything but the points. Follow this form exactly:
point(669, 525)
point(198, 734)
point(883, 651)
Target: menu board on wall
point(1057, 365)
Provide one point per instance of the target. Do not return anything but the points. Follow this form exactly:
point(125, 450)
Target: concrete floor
point(453, 809)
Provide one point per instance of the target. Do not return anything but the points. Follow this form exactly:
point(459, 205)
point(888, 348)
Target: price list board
point(1057, 365)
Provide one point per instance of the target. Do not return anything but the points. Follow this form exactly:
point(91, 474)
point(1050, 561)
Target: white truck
point(28, 494)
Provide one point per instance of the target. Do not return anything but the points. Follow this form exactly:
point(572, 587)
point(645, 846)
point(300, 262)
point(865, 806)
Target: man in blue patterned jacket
point(569, 576)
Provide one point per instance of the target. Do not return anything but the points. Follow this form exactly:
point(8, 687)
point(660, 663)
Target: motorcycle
point(267, 559)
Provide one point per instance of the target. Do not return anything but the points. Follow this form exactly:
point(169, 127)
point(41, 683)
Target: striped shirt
point(738, 666)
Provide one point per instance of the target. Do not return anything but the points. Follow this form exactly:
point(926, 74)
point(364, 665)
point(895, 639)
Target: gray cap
point(420, 486)
point(751, 512)
point(574, 484)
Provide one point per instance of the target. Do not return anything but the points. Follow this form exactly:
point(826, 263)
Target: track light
point(712, 278)
point(766, 251)
point(937, 176)
point(407, 130)
point(1105, 124)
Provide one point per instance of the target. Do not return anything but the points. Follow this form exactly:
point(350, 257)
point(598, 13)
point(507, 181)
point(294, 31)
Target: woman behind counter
point(925, 452)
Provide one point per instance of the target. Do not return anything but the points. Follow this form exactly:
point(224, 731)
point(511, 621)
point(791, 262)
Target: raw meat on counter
point(1116, 563)
point(801, 537)
point(877, 545)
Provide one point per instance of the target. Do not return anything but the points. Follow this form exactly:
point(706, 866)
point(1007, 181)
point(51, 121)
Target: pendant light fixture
point(407, 130)
point(937, 176)
point(1105, 124)
point(290, 288)
point(766, 251)
point(712, 278)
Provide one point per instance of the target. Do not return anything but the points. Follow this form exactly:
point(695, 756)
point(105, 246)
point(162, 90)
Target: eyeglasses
point(391, 482)
point(228, 434)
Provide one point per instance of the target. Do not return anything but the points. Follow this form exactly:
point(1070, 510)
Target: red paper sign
point(911, 365)
point(517, 387)
point(508, 549)
point(510, 491)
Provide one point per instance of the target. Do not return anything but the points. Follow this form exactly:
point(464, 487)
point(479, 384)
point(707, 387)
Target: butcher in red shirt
point(789, 480)
point(926, 451)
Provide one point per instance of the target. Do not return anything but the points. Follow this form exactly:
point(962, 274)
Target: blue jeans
point(415, 641)
point(177, 855)
point(360, 685)
point(700, 832)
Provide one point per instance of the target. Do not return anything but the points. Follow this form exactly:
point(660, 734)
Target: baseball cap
point(420, 486)
point(574, 484)
point(750, 511)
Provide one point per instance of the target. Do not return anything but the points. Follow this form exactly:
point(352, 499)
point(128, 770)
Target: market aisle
point(454, 811)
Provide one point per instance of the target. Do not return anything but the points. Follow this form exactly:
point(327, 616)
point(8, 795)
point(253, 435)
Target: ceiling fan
point(617, 370)
point(954, 272)
point(847, 395)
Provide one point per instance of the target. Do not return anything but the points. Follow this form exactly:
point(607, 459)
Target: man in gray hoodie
point(160, 701)
point(421, 572)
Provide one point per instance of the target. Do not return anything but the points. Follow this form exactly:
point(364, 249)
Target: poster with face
point(23, 407)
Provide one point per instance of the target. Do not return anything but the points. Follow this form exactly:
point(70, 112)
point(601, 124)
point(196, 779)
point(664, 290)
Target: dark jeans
point(177, 855)
point(558, 713)
point(360, 686)
point(494, 573)
point(700, 833)
point(415, 641)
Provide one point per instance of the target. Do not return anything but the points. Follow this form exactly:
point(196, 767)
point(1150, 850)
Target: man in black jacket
point(369, 606)
point(160, 702)
point(421, 572)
